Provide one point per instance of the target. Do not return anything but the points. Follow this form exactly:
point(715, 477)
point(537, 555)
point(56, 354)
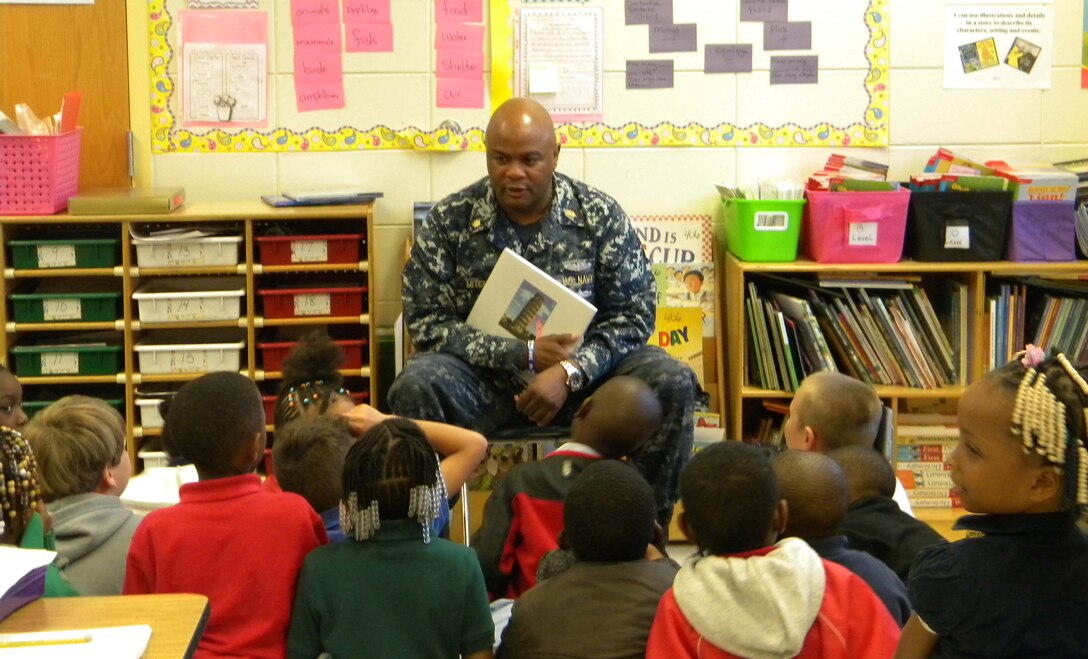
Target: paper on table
point(125, 642)
point(458, 36)
point(799, 70)
point(459, 93)
point(680, 38)
point(369, 38)
point(764, 10)
point(649, 74)
point(366, 11)
point(15, 563)
point(787, 36)
point(647, 12)
point(727, 58)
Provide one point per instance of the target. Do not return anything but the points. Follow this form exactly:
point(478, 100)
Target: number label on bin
point(184, 254)
point(56, 256)
point(183, 309)
point(66, 309)
point(862, 234)
point(957, 237)
point(313, 304)
point(60, 363)
point(772, 221)
point(184, 361)
point(309, 251)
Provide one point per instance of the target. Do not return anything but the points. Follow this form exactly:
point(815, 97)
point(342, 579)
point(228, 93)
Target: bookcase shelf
point(247, 218)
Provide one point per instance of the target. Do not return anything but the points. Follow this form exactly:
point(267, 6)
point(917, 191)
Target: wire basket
point(38, 173)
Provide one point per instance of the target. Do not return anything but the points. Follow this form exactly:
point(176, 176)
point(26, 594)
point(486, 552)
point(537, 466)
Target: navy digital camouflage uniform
point(465, 377)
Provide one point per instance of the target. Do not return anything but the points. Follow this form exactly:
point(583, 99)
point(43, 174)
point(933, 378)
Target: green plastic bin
point(66, 359)
point(32, 407)
point(68, 301)
point(70, 253)
point(763, 229)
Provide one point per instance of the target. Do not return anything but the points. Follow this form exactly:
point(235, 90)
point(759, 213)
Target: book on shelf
point(935, 502)
point(122, 201)
point(679, 332)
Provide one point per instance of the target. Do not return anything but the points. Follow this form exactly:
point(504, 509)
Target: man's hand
point(541, 400)
point(362, 418)
point(551, 349)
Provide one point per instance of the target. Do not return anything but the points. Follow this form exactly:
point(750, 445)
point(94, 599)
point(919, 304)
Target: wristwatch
point(576, 377)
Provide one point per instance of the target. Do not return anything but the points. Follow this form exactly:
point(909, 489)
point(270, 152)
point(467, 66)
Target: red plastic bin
point(855, 227)
point(359, 397)
point(293, 250)
point(303, 302)
point(273, 353)
point(38, 173)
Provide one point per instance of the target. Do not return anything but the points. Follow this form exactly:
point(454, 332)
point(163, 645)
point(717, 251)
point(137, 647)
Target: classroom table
point(177, 620)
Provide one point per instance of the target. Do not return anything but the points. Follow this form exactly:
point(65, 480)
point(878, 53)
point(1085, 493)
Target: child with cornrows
point(1018, 585)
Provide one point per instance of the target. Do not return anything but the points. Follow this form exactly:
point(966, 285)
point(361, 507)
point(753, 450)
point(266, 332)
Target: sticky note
point(459, 11)
point(727, 58)
point(320, 95)
point(543, 79)
point(312, 66)
point(764, 10)
point(647, 12)
point(324, 36)
point(366, 11)
point(679, 38)
point(459, 64)
point(368, 37)
point(459, 93)
point(464, 36)
point(787, 36)
point(312, 12)
point(795, 70)
point(649, 74)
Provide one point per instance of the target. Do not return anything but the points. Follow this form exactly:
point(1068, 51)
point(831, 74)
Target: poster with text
point(998, 47)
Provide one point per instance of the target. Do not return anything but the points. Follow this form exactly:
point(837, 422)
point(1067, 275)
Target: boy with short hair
point(873, 522)
point(831, 410)
point(744, 596)
point(83, 467)
point(815, 489)
point(604, 604)
point(523, 516)
point(309, 457)
point(226, 539)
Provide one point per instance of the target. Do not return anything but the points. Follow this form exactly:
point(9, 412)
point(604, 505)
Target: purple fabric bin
point(1043, 231)
point(25, 591)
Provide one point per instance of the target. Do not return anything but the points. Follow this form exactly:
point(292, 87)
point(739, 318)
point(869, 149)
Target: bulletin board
point(861, 120)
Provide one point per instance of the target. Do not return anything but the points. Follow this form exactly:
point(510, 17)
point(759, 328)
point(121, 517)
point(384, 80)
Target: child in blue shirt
point(1020, 589)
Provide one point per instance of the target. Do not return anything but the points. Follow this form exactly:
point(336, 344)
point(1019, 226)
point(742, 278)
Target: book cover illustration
point(687, 285)
point(527, 313)
point(1022, 55)
point(679, 332)
point(979, 55)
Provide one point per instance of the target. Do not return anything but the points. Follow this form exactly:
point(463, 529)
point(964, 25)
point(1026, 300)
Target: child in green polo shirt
point(391, 589)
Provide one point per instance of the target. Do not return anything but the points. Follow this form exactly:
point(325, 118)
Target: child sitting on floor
point(523, 516)
point(742, 595)
point(391, 589)
point(226, 539)
point(1021, 589)
point(874, 523)
point(83, 467)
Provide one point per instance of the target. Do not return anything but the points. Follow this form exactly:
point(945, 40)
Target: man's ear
point(562, 540)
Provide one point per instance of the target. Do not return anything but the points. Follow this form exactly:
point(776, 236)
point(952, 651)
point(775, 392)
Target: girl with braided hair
point(24, 521)
point(1017, 586)
point(392, 589)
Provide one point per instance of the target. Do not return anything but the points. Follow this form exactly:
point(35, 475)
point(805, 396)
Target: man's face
point(521, 159)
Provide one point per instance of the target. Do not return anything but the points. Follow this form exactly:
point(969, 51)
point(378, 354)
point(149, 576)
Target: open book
point(522, 301)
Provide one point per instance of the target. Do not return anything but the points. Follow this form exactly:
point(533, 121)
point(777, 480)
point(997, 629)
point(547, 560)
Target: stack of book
point(844, 173)
point(1006, 307)
point(923, 443)
point(881, 331)
point(1064, 326)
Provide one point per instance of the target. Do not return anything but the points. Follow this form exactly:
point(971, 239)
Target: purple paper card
point(728, 58)
point(647, 12)
point(680, 38)
point(795, 70)
point(787, 36)
point(649, 74)
point(764, 10)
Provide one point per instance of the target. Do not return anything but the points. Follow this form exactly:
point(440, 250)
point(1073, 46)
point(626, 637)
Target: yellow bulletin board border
point(870, 130)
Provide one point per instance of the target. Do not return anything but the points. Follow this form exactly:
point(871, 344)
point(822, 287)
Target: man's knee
point(416, 392)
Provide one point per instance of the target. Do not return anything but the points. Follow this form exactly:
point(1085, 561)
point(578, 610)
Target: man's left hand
point(544, 396)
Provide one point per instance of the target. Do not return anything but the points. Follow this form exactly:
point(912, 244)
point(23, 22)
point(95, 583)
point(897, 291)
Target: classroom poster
point(224, 68)
point(560, 61)
point(998, 46)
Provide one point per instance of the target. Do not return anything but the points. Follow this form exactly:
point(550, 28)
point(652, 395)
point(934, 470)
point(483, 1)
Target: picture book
point(679, 332)
point(687, 285)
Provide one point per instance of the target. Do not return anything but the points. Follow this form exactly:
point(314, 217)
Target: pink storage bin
point(38, 173)
point(855, 227)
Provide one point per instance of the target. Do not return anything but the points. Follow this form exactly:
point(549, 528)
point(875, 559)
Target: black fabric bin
point(958, 226)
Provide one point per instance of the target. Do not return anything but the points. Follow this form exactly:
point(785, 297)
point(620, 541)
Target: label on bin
point(309, 251)
point(60, 363)
point(66, 309)
point(957, 236)
point(185, 309)
point(185, 361)
point(56, 256)
point(772, 221)
point(313, 304)
point(861, 234)
point(183, 253)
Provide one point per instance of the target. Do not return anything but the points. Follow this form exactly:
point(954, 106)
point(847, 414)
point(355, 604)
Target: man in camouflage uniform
point(578, 235)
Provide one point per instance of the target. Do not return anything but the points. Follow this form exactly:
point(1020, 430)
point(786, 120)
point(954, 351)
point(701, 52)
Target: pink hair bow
point(1033, 356)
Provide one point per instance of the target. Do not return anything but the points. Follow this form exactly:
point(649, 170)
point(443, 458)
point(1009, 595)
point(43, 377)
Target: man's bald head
point(521, 116)
point(521, 157)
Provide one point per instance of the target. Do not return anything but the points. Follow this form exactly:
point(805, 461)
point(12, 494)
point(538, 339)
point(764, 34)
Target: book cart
point(969, 328)
point(91, 309)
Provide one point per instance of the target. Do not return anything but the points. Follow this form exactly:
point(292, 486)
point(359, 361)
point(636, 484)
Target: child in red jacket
point(227, 539)
point(743, 595)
